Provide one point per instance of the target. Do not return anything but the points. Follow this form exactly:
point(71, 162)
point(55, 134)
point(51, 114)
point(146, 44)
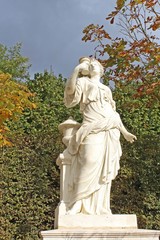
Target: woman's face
point(94, 68)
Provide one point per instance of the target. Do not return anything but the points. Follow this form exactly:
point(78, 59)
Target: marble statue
point(93, 149)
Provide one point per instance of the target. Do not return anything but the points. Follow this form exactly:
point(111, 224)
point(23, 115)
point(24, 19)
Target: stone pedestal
point(112, 221)
point(98, 227)
point(100, 234)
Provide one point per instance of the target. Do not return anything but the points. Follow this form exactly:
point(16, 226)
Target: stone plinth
point(99, 227)
point(112, 221)
point(100, 234)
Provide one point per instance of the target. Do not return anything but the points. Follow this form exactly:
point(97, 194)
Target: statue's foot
point(130, 137)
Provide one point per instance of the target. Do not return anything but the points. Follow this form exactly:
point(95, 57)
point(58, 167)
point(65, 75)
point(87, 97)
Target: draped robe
point(95, 148)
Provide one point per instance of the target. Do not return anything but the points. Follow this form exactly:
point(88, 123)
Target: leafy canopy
point(14, 96)
point(135, 56)
point(13, 62)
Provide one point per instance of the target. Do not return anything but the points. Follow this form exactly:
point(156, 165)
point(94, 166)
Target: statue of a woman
point(94, 149)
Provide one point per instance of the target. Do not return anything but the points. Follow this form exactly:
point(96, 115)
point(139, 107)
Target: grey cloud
point(51, 30)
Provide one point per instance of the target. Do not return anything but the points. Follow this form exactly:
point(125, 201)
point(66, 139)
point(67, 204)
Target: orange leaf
point(122, 54)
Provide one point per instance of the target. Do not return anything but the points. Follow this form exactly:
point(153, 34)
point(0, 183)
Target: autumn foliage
point(14, 98)
point(133, 57)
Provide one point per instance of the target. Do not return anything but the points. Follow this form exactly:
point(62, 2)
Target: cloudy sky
point(51, 30)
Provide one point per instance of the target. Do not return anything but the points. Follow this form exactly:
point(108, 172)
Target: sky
point(51, 30)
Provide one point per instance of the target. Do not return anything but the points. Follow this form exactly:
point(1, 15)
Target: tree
point(134, 57)
point(13, 62)
point(14, 98)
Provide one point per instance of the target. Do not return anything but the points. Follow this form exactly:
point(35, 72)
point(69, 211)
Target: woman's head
point(96, 66)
